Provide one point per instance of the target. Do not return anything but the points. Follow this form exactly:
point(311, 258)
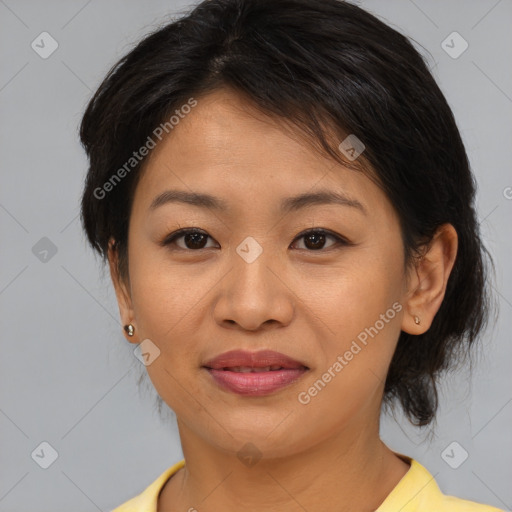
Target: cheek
point(355, 295)
point(362, 313)
point(164, 294)
point(166, 306)
point(356, 357)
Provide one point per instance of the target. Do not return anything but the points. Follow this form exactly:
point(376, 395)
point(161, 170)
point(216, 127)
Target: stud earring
point(129, 329)
point(416, 319)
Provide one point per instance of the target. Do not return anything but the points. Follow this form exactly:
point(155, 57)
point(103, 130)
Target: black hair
point(331, 69)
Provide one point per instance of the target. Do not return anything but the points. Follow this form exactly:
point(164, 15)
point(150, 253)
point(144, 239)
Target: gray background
point(67, 375)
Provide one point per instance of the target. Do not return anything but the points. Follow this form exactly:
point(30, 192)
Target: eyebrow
point(289, 204)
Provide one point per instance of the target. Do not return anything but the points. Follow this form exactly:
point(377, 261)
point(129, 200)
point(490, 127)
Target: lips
point(254, 373)
point(251, 369)
point(245, 362)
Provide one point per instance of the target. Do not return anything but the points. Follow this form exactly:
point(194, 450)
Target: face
point(320, 282)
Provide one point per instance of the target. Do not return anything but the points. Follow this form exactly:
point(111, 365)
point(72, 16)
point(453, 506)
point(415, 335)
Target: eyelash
point(170, 239)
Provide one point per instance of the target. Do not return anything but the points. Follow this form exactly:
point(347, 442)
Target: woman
point(293, 245)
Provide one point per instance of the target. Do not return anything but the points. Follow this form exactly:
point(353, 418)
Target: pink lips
point(254, 373)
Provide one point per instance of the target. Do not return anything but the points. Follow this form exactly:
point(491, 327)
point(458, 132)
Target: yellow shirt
point(417, 491)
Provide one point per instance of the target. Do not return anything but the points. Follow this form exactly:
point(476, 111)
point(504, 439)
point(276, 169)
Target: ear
point(122, 293)
point(428, 280)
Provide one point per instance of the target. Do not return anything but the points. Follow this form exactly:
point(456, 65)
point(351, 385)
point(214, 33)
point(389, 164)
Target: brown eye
point(315, 240)
point(193, 239)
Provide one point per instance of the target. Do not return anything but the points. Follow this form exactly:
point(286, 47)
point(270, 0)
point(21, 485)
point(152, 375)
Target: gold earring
point(129, 329)
point(416, 319)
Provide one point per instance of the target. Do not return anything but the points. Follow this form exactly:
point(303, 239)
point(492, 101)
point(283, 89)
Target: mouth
point(244, 361)
point(252, 369)
point(254, 373)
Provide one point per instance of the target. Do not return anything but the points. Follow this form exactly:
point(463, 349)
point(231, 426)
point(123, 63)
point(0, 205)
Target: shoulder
point(418, 491)
point(147, 500)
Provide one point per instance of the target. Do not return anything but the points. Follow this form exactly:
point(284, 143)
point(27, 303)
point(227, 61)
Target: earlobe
point(123, 296)
point(431, 278)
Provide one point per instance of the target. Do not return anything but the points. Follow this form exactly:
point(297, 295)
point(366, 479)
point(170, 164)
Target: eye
point(314, 239)
point(195, 239)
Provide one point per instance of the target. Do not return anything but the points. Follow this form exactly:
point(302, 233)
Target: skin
point(196, 303)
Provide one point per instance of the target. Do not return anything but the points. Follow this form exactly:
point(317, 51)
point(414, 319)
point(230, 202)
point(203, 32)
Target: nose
point(254, 295)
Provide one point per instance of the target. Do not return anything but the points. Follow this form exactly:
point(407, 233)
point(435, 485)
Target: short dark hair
point(328, 67)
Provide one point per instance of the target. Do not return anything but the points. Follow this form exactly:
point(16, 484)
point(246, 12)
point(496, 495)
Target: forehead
point(225, 147)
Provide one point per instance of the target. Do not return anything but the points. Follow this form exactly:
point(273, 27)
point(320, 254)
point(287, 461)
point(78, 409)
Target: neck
point(351, 470)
